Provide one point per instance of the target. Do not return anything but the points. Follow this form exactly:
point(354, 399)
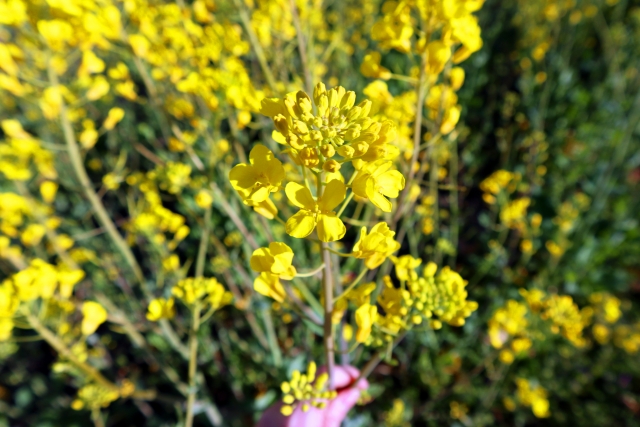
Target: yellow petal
point(391, 183)
point(301, 224)
point(330, 228)
point(269, 285)
point(300, 196)
point(333, 195)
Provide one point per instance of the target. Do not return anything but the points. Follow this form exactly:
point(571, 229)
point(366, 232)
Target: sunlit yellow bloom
point(114, 117)
point(276, 259)
point(366, 315)
point(261, 177)
point(438, 55)
point(48, 190)
point(405, 266)
point(269, 285)
point(375, 181)
point(371, 67)
point(93, 315)
point(320, 212)
point(376, 245)
point(32, 235)
point(161, 308)
point(206, 291)
point(203, 199)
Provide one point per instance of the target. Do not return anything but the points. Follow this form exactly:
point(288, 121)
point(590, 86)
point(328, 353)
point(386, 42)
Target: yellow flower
point(32, 235)
point(255, 181)
point(98, 89)
point(366, 315)
point(312, 212)
point(113, 118)
point(375, 181)
point(405, 266)
point(269, 285)
point(139, 44)
point(56, 32)
point(161, 308)
point(375, 246)
point(91, 64)
point(276, 259)
point(438, 55)
point(371, 67)
point(199, 290)
point(305, 390)
point(93, 315)
point(456, 77)
point(203, 199)
point(48, 190)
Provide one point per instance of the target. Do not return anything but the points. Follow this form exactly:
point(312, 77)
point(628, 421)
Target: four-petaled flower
point(276, 259)
point(255, 181)
point(273, 263)
point(375, 246)
point(320, 212)
point(375, 181)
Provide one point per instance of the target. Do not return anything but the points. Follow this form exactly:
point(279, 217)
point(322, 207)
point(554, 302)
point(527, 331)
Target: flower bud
point(346, 151)
point(318, 91)
point(281, 124)
point(331, 166)
point(309, 157)
point(348, 100)
point(327, 150)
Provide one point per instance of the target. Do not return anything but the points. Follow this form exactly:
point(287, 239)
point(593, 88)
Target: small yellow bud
point(48, 191)
point(203, 199)
point(331, 166)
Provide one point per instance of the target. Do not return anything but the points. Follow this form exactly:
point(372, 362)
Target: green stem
point(417, 134)
point(312, 272)
point(352, 285)
point(204, 243)
point(302, 47)
point(339, 253)
point(344, 205)
point(271, 336)
point(257, 47)
point(99, 210)
point(54, 341)
point(193, 363)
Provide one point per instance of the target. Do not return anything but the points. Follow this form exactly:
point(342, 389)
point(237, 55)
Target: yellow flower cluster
point(566, 318)
point(20, 151)
point(305, 390)
point(40, 280)
point(94, 396)
point(273, 263)
point(499, 181)
point(316, 131)
point(421, 297)
point(533, 396)
point(201, 291)
point(510, 321)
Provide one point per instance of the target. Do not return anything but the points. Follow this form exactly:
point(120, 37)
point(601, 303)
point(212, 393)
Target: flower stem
point(352, 285)
point(99, 210)
point(328, 312)
point(417, 134)
point(302, 47)
point(193, 364)
point(257, 47)
point(54, 341)
point(312, 272)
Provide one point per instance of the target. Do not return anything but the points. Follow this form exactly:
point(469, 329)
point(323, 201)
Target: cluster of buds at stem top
point(306, 390)
point(324, 133)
